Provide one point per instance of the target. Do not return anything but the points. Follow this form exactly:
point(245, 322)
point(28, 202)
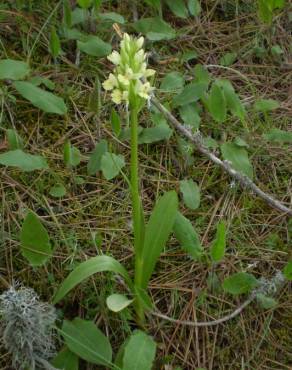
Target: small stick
point(244, 181)
point(205, 323)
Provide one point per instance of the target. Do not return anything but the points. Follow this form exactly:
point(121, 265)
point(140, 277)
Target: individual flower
point(129, 79)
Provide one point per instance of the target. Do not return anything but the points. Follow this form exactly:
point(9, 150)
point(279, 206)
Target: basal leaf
point(277, 135)
point(288, 271)
point(238, 157)
point(13, 69)
point(240, 283)
point(22, 160)
point(113, 17)
point(191, 193)
point(58, 191)
point(155, 29)
point(71, 155)
point(266, 105)
point(219, 244)
point(194, 7)
point(228, 59)
point(87, 269)
point(232, 100)
point(139, 352)
point(157, 233)
point(94, 163)
point(84, 339)
point(34, 240)
point(178, 8)
point(116, 122)
point(94, 46)
point(187, 236)
point(118, 302)
point(14, 140)
point(40, 98)
point(189, 113)
point(173, 81)
point(154, 134)
point(111, 165)
point(217, 103)
point(190, 94)
point(66, 360)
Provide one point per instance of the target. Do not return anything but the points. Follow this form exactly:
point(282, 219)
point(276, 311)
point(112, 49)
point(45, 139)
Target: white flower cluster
point(130, 74)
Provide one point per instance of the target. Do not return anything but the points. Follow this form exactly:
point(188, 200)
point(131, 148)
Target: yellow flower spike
point(116, 96)
point(110, 83)
point(114, 57)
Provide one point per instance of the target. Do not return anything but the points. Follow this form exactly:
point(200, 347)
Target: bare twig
point(205, 323)
point(244, 181)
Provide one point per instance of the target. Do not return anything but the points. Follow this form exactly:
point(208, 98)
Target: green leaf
point(22, 160)
point(71, 155)
point(111, 165)
point(94, 46)
point(228, 59)
point(288, 271)
point(189, 113)
point(191, 193)
point(67, 13)
point(139, 352)
point(277, 135)
point(202, 74)
point(38, 80)
point(94, 163)
point(118, 302)
point(266, 302)
point(238, 157)
point(277, 51)
point(266, 105)
point(84, 339)
point(191, 93)
point(13, 69)
point(55, 45)
point(14, 140)
point(157, 233)
point(40, 98)
point(34, 240)
point(194, 7)
point(58, 191)
point(189, 55)
point(116, 122)
point(172, 81)
point(240, 283)
point(87, 269)
point(84, 4)
point(219, 244)
point(233, 102)
point(178, 8)
point(154, 3)
point(187, 236)
point(113, 17)
point(66, 360)
point(155, 29)
point(154, 134)
point(217, 103)
point(78, 15)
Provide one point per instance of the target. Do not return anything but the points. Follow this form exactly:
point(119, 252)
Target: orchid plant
point(130, 86)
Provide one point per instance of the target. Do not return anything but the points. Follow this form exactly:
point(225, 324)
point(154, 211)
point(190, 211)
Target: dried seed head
point(26, 328)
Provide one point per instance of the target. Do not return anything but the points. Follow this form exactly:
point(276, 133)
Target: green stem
point(137, 211)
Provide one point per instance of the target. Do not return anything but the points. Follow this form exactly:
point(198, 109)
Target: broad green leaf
point(22, 160)
point(209, 142)
point(155, 29)
point(40, 98)
point(154, 3)
point(55, 45)
point(202, 74)
point(13, 69)
point(266, 105)
point(117, 302)
point(219, 244)
point(94, 46)
point(116, 122)
point(288, 271)
point(240, 283)
point(38, 80)
point(78, 15)
point(190, 94)
point(84, 339)
point(277, 51)
point(34, 240)
point(111, 165)
point(173, 81)
point(154, 134)
point(228, 59)
point(189, 113)
point(139, 352)
point(94, 163)
point(265, 11)
point(191, 193)
point(87, 269)
point(233, 102)
point(178, 8)
point(187, 236)
point(157, 233)
point(266, 302)
point(84, 4)
point(278, 135)
point(113, 17)
point(217, 103)
point(194, 7)
point(71, 155)
point(238, 157)
point(66, 360)
point(67, 13)
point(58, 191)
point(14, 140)
point(189, 55)
point(240, 142)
